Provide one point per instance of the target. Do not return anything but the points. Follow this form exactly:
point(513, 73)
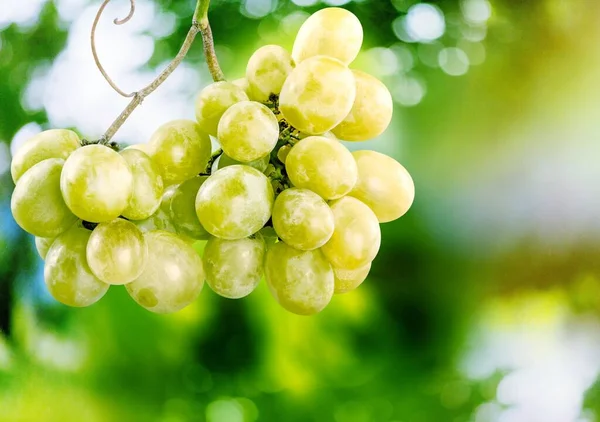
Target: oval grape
point(183, 209)
point(348, 280)
point(213, 101)
point(147, 185)
point(267, 70)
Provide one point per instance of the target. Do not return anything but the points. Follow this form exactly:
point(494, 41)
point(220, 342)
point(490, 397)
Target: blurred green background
point(484, 302)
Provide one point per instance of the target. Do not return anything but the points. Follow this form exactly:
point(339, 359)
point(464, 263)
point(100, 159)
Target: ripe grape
point(302, 219)
point(173, 277)
point(267, 70)
point(348, 280)
point(234, 267)
point(96, 183)
point(145, 148)
point(242, 83)
point(259, 164)
point(180, 149)
point(160, 220)
point(322, 165)
point(248, 131)
point(183, 209)
point(301, 281)
point(37, 204)
point(117, 252)
point(383, 184)
point(66, 272)
point(53, 143)
point(317, 95)
point(42, 244)
point(356, 238)
point(235, 202)
point(371, 113)
point(147, 185)
point(213, 101)
point(333, 32)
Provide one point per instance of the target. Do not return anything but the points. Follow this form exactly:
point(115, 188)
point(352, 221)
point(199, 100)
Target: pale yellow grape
point(371, 113)
point(383, 184)
point(348, 280)
point(147, 185)
point(317, 95)
point(37, 204)
point(267, 70)
point(302, 219)
point(242, 83)
point(53, 143)
point(146, 148)
point(248, 130)
point(333, 32)
point(259, 164)
point(301, 281)
point(213, 101)
point(42, 244)
point(117, 252)
point(96, 183)
point(183, 209)
point(235, 202)
point(357, 236)
point(180, 149)
point(322, 165)
point(173, 277)
point(283, 152)
point(165, 202)
point(66, 272)
point(234, 267)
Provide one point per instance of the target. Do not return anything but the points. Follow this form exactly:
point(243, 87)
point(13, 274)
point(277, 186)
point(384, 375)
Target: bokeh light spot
point(476, 11)
point(425, 22)
point(454, 61)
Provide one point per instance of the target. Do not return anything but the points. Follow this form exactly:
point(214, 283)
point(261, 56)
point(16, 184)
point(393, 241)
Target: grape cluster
point(282, 198)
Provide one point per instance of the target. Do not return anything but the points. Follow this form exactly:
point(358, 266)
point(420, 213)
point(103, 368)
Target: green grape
point(213, 101)
point(356, 238)
point(147, 185)
point(332, 32)
point(383, 184)
point(173, 277)
point(160, 220)
point(259, 164)
point(348, 280)
point(117, 252)
point(248, 131)
point(234, 267)
point(242, 83)
point(283, 152)
point(322, 165)
point(53, 143)
point(371, 113)
point(302, 219)
point(183, 209)
point(267, 70)
point(42, 244)
point(317, 95)
point(165, 202)
point(96, 183)
point(37, 204)
point(301, 281)
point(235, 202)
point(145, 148)
point(67, 275)
point(180, 149)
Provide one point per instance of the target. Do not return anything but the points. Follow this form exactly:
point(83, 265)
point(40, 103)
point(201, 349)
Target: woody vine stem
point(200, 25)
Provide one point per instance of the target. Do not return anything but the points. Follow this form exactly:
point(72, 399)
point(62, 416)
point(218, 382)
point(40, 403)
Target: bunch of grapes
point(282, 198)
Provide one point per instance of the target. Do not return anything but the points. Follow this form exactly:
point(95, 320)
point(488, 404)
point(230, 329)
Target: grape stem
point(200, 24)
point(209, 165)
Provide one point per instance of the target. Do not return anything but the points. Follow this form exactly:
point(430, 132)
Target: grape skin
point(371, 112)
point(267, 70)
point(147, 185)
point(234, 267)
point(348, 280)
point(357, 236)
point(247, 131)
point(42, 244)
point(181, 149)
point(243, 83)
point(53, 143)
point(322, 165)
point(67, 275)
point(96, 183)
point(259, 164)
point(37, 204)
point(183, 209)
point(333, 32)
point(317, 95)
point(383, 184)
point(173, 277)
point(213, 101)
point(301, 281)
point(117, 252)
point(235, 202)
point(302, 219)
